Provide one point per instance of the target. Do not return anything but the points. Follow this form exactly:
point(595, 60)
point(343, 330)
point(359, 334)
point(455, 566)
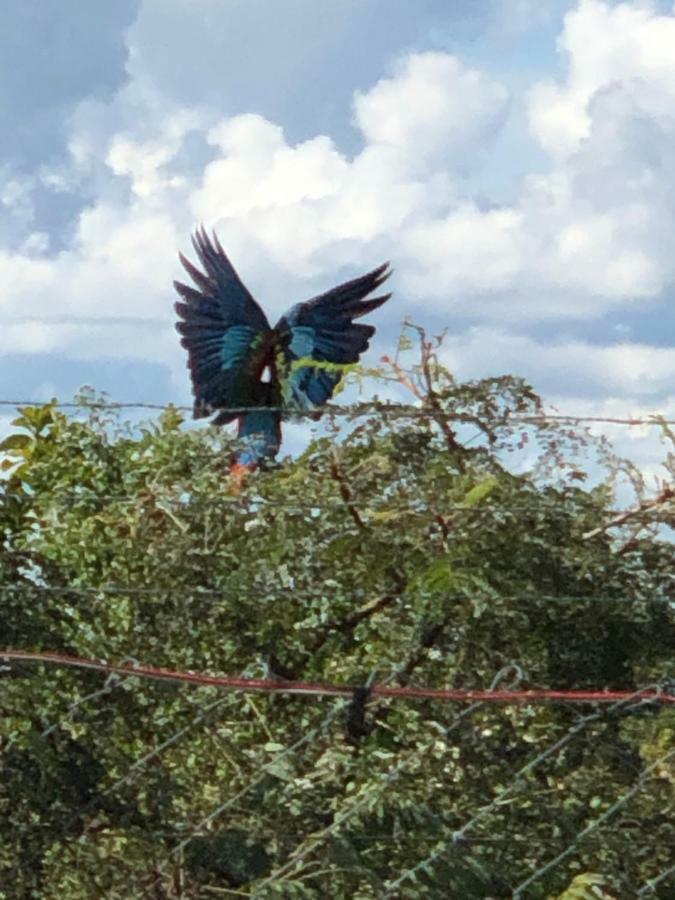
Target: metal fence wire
point(348, 694)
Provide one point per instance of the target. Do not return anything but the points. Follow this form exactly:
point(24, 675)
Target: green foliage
point(398, 550)
point(586, 887)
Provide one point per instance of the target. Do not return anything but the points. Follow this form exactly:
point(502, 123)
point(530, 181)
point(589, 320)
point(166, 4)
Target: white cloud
point(606, 44)
point(644, 445)
point(119, 262)
point(589, 233)
point(577, 378)
point(299, 201)
point(594, 231)
point(306, 208)
point(466, 251)
point(581, 239)
point(433, 111)
point(143, 161)
point(640, 372)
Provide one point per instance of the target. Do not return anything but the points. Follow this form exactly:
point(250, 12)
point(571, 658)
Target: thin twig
point(666, 496)
point(346, 492)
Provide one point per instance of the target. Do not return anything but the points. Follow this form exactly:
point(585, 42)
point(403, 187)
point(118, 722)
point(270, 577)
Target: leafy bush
point(400, 548)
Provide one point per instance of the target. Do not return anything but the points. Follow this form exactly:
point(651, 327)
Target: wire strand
point(356, 409)
point(269, 686)
point(282, 591)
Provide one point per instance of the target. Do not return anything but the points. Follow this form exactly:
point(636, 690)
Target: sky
point(512, 158)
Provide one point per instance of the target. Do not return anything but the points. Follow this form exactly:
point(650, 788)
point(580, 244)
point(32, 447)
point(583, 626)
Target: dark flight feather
point(230, 344)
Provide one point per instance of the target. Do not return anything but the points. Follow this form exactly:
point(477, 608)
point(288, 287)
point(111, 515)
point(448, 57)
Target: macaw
point(243, 369)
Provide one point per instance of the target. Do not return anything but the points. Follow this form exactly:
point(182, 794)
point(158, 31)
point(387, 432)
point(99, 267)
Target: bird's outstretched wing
point(220, 324)
point(323, 330)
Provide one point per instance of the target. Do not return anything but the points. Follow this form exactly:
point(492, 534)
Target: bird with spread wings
point(244, 370)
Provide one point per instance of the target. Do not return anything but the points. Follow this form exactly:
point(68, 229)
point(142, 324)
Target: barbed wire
point(135, 768)
point(650, 886)
point(648, 512)
point(244, 502)
point(317, 689)
point(344, 815)
point(262, 773)
point(178, 832)
point(505, 792)
point(660, 696)
point(356, 409)
point(174, 507)
point(282, 591)
point(593, 825)
point(364, 798)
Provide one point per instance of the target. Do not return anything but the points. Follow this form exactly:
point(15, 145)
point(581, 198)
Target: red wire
point(263, 685)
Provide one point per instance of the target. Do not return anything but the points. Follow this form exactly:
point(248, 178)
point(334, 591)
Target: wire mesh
point(139, 779)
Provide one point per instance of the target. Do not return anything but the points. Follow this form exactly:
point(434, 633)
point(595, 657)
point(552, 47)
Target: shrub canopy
point(400, 548)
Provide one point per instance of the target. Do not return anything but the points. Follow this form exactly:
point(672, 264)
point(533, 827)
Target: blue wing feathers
point(343, 346)
point(236, 343)
point(206, 285)
point(302, 341)
point(348, 297)
point(323, 329)
point(219, 323)
point(230, 343)
point(189, 294)
point(219, 286)
point(194, 321)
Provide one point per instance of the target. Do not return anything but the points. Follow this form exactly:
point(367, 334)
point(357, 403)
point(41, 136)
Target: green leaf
point(480, 491)
point(171, 418)
point(130, 545)
point(588, 886)
point(16, 442)
point(436, 577)
point(383, 515)
point(36, 418)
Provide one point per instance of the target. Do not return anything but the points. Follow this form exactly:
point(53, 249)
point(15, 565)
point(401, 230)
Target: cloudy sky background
point(513, 158)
